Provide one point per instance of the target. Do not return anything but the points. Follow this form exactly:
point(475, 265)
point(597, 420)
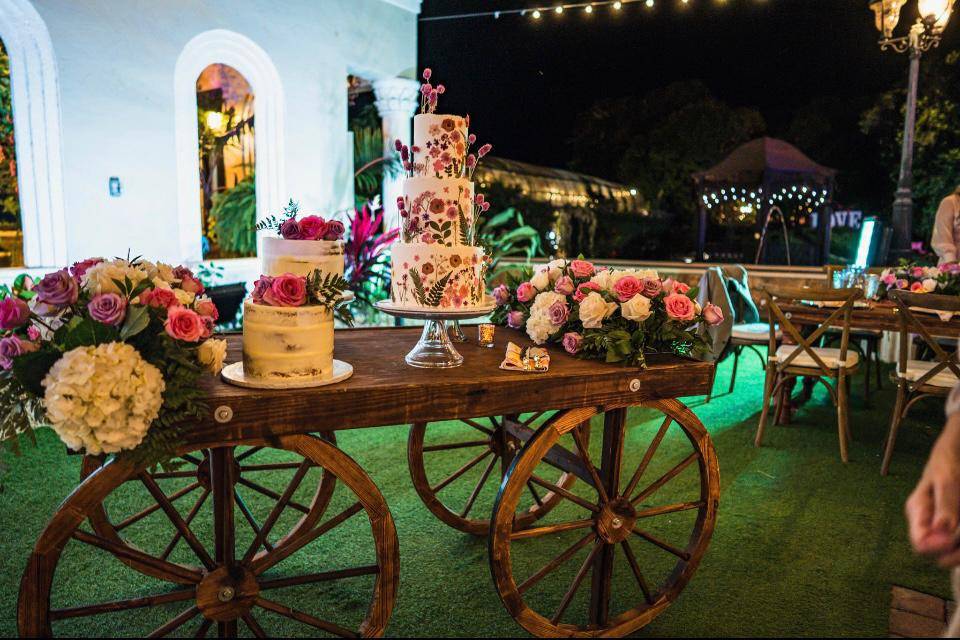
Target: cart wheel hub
point(227, 593)
point(615, 520)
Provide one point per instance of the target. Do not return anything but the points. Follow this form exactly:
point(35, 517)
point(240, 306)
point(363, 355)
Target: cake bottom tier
point(287, 342)
point(431, 276)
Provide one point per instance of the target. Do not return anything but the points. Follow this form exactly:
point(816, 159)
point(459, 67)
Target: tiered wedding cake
point(436, 263)
point(288, 320)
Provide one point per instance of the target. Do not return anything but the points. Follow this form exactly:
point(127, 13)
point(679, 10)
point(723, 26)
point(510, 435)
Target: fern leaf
point(436, 291)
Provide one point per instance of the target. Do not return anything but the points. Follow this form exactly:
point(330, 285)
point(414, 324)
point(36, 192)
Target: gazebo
point(758, 178)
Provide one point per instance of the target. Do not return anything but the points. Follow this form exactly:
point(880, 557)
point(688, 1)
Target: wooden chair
point(865, 341)
point(803, 359)
point(748, 336)
point(918, 379)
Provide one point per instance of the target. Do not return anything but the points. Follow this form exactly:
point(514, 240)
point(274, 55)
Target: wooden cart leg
point(611, 461)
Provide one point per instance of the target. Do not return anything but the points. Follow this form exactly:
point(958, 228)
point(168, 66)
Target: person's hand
point(933, 509)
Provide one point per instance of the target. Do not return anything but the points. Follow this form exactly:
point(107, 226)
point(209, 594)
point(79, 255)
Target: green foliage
point(369, 164)
point(655, 142)
point(436, 291)
point(418, 291)
point(273, 223)
point(234, 213)
point(936, 164)
point(326, 289)
point(504, 236)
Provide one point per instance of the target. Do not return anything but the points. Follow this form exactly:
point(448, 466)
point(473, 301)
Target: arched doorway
point(228, 204)
point(33, 88)
point(249, 60)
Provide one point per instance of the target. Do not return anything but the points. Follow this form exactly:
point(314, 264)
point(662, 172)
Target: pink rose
point(107, 308)
point(515, 319)
point(206, 308)
point(80, 268)
point(501, 294)
point(627, 287)
point(916, 272)
point(712, 314)
point(159, 298)
point(680, 307)
point(584, 289)
point(917, 287)
point(652, 287)
point(184, 324)
point(312, 227)
point(260, 287)
point(564, 285)
point(206, 323)
point(33, 333)
point(950, 267)
point(680, 287)
point(11, 347)
point(287, 290)
point(14, 313)
point(889, 279)
point(188, 282)
point(335, 230)
point(290, 229)
point(582, 268)
point(526, 292)
point(572, 342)
point(558, 313)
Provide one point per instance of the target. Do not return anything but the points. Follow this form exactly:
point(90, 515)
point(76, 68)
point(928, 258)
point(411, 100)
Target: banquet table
point(528, 427)
point(881, 316)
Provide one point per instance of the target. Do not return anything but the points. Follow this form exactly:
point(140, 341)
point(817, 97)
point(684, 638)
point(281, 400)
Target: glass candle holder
point(485, 333)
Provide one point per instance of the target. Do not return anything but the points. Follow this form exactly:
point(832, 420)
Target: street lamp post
point(924, 35)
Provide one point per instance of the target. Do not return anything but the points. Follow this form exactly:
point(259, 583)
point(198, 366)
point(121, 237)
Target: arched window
point(228, 201)
point(11, 231)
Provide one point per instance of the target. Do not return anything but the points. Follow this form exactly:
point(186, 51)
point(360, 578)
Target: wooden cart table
point(533, 429)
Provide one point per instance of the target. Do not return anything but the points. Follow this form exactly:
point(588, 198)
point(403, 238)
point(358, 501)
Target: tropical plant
point(234, 216)
point(9, 198)
point(370, 164)
point(504, 236)
point(367, 266)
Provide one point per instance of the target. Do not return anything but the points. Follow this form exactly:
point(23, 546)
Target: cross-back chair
point(804, 359)
point(919, 379)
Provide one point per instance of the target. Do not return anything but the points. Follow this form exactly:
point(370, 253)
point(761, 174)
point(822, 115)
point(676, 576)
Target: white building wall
point(116, 61)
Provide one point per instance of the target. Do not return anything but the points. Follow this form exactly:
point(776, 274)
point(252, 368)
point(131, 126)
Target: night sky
point(524, 82)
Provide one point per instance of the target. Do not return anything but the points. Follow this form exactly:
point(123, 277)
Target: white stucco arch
point(247, 57)
point(36, 130)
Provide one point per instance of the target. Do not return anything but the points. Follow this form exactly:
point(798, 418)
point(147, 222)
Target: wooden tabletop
point(384, 390)
point(880, 316)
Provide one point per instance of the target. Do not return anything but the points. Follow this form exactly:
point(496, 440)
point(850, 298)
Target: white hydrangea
point(100, 277)
point(102, 399)
point(539, 326)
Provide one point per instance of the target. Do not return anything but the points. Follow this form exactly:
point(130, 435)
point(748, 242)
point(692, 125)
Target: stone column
point(396, 100)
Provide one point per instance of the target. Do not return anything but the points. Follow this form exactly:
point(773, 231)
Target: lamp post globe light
point(924, 34)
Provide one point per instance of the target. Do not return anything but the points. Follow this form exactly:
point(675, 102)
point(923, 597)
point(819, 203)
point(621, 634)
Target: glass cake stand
point(435, 349)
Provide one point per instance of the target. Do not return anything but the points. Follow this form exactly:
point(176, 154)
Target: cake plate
point(435, 350)
point(233, 374)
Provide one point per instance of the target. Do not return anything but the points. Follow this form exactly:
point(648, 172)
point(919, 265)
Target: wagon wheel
point(229, 569)
point(653, 512)
point(192, 476)
point(452, 463)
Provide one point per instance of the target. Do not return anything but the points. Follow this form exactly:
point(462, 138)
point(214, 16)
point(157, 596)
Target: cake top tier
point(441, 143)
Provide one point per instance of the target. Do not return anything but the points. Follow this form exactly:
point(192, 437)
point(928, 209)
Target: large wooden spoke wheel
point(265, 473)
point(649, 508)
point(456, 467)
point(256, 564)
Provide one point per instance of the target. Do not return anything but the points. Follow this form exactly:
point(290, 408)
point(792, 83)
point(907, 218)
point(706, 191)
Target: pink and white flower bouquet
point(944, 279)
point(616, 315)
point(109, 354)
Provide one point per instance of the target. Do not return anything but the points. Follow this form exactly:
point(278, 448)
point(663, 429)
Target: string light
point(558, 9)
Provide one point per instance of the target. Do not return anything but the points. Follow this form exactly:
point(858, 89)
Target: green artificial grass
point(804, 545)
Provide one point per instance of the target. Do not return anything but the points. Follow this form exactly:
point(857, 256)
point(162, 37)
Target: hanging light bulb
point(536, 14)
point(649, 3)
point(558, 9)
point(618, 5)
point(588, 8)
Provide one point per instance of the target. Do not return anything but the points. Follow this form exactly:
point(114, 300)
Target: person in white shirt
point(946, 229)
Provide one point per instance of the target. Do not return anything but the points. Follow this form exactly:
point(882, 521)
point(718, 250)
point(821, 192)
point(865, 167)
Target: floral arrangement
point(312, 227)
point(944, 279)
point(288, 290)
point(616, 315)
point(109, 354)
